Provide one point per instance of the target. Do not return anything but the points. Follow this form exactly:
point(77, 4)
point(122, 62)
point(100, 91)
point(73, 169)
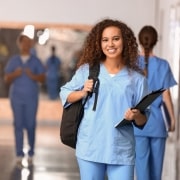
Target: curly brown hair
point(92, 52)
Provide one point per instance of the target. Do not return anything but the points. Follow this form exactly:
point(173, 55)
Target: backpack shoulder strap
point(93, 74)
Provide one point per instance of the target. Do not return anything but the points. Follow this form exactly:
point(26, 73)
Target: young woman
point(102, 147)
point(150, 142)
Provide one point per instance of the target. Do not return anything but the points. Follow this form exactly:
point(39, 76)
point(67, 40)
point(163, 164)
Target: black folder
point(143, 104)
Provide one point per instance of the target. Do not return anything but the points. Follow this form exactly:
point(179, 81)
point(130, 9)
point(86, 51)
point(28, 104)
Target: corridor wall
point(135, 13)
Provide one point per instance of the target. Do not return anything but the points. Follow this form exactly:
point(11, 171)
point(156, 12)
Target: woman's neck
point(143, 53)
point(113, 67)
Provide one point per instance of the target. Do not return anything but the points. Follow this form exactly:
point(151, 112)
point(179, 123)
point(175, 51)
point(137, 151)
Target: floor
point(53, 160)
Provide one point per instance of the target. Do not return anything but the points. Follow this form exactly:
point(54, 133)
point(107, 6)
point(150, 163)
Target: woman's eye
point(116, 38)
point(104, 40)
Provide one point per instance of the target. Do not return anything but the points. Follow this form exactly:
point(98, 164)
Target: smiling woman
point(112, 45)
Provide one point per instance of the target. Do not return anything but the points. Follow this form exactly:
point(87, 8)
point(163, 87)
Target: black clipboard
point(143, 104)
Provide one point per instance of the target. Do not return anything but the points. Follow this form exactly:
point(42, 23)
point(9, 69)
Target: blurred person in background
point(53, 67)
point(151, 140)
point(23, 72)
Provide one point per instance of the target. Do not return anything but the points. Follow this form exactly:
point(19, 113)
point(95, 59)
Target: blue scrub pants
point(149, 157)
point(53, 87)
point(24, 118)
point(97, 171)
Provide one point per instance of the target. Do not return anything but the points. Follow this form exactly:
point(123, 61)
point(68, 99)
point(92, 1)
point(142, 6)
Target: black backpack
point(73, 114)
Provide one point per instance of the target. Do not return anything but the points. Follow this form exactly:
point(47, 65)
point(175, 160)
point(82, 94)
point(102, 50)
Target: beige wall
point(135, 12)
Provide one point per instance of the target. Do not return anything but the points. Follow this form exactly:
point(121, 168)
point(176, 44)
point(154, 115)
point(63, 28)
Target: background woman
point(150, 142)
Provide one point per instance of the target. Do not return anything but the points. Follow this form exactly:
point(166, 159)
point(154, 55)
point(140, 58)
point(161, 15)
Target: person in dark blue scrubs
point(53, 74)
point(23, 73)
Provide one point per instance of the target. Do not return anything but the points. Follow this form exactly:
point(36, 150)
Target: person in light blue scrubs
point(53, 66)
point(23, 72)
point(150, 142)
point(104, 148)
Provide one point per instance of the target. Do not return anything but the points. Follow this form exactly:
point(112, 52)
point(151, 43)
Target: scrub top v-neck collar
point(105, 72)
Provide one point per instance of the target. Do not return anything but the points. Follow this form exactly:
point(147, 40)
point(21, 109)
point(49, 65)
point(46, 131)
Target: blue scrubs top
point(98, 138)
point(53, 65)
point(159, 76)
point(23, 88)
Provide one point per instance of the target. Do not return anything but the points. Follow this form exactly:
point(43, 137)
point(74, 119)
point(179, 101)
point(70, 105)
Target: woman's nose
point(110, 43)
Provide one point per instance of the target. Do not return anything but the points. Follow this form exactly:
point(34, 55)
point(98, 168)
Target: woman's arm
point(168, 101)
point(9, 77)
point(36, 77)
point(77, 95)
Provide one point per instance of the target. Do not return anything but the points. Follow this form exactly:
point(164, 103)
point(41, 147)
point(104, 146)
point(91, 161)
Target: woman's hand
point(36, 77)
point(136, 115)
point(18, 72)
point(88, 86)
point(77, 95)
point(132, 114)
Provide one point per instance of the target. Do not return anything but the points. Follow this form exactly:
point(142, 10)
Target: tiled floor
point(53, 160)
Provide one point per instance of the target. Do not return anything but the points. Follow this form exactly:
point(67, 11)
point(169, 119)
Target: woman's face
point(25, 44)
point(112, 42)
